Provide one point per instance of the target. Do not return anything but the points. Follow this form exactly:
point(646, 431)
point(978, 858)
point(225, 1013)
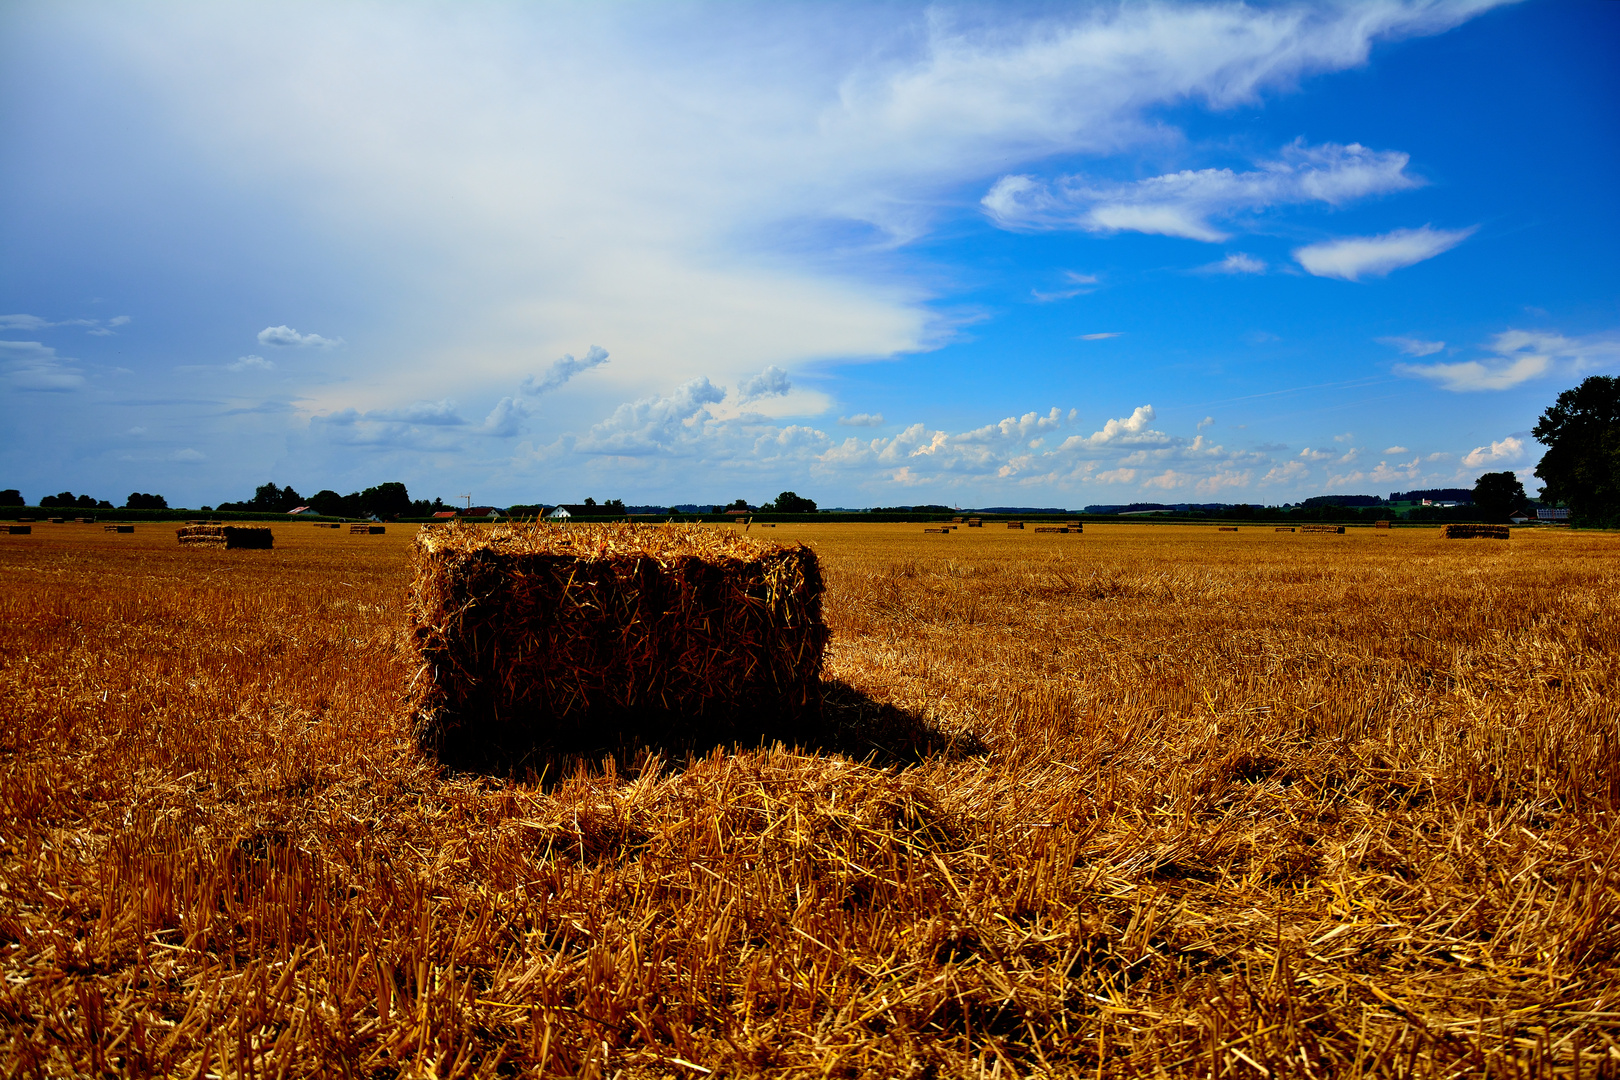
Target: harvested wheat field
point(1154, 801)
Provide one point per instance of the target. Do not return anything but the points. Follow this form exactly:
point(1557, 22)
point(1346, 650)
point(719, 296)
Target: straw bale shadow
point(850, 723)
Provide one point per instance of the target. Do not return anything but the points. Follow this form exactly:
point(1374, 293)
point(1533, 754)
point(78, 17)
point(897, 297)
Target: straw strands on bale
point(368, 530)
point(1321, 528)
point(226, 536)
point(529, 634)
point(1475, 532)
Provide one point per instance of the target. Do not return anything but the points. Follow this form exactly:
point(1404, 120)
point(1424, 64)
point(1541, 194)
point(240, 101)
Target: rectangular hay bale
point(1321, 528)
point(118, 528)
point(19, 530)
point(1015, 524)
point(1226, 528)
point(1054, 529)
point(1475, 532)
point(1285, 528)
point(538, 632)
point(252, 537)
point(368, 530)
point(947, 532)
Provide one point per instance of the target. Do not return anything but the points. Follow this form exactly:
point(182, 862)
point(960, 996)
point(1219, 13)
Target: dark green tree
point(1498, 494)
point(792, 503)
point(140, 500)
point(1581, 467)
point(11, 497)
point(329, 503)
point(388, 500)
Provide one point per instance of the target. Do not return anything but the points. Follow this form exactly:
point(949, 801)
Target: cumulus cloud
point(1413, 346)
point(1396, 450)
point(1351, 258)
point(654, 425)
point(1207, 421)
point(31, 365)
point(772, 382)
point(862, 420)
point(287, 337)
point(251, 362)
point(1508, 449)
point(563, 369)
point(1187, 203)
point(1517, 356)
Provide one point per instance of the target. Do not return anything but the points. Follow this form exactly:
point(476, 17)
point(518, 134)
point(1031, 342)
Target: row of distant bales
point(203, 533)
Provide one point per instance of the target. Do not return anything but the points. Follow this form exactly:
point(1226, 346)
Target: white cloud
point(31, 365)
point(772, 382)
point(1348, 436)
point(1103, 336)
point(1186, 203)
point(1207, 421)
point(1235, 263)
point(251, 362)
point(1396, 450)
point(34, 322)
point(286, 336)
point(563, 369)
point(1350, 258)
point(1078, 285)
point(1414, 346)
point(1308, 454)
point(1508, 449)
point(188, 456)
point(655, 425)
point(1289, 472)
point(862, 420)
point(436, 129)
point(1517, 356)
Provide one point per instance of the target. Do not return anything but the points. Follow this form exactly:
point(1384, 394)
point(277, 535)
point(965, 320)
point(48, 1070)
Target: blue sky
point(878, 253)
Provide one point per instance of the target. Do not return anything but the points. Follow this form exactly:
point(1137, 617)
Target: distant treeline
point(390, 500)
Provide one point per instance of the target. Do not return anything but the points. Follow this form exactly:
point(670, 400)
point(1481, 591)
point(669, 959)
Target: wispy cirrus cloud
point(1235, 263)
point(1518, 356)
point(1351, 258)
point(1413, 346)
point(1189, 203)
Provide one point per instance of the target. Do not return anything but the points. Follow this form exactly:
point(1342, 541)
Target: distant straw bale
point(368, 530)
point(118, 528)
point(1054, 529)
point(1285, 528)
point(257, 537)
point(19, 530)
point(1475, 532)
point(1015, 524)
point(536, 633)
point(1381, 524)
point(1321, 528)
point(1226, 528)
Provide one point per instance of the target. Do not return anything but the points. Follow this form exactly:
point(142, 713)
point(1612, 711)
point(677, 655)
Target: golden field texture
point(1146, 801)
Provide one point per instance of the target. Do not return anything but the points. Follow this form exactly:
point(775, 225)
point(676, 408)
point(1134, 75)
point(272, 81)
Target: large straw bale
point(1475, 532)
point(538, 633)
point(226, 536)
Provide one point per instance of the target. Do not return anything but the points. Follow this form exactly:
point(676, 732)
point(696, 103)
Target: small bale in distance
point(1285, 528)
point(252, 537)
point(57, 521)
point(1321, 528)
point(19, 530)
point(1475, 532)
point(947, 532)
point(1015, 524)
point(1226, 528)
point(118, 528)
point(1381, 524)
point(367, 530)
point(975, 523)
point(535, 634)
point(1054, 529)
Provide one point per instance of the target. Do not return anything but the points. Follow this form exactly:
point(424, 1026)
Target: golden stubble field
point(1149, 801)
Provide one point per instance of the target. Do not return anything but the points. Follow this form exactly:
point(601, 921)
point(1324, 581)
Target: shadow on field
point(850, 723)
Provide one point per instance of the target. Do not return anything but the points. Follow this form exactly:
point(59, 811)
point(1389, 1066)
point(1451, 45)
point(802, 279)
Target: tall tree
point(1581, 467)
point(1498, 494)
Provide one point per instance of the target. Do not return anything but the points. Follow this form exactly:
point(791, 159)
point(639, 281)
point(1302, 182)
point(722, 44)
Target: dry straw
point(526, 634)
point(1475, 532)
point(226, 536)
